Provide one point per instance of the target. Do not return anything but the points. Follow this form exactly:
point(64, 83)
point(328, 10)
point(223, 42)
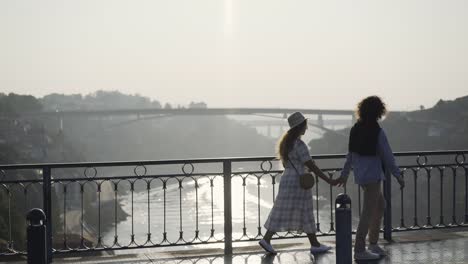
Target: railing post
point(343, 219)
point(387, 186)
point(47, 194)
point(227, 171)
point(36, 237)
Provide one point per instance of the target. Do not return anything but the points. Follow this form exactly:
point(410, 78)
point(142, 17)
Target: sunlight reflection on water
point(181, 210)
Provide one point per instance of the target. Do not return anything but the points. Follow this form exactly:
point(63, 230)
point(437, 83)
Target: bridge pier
point(320, 120)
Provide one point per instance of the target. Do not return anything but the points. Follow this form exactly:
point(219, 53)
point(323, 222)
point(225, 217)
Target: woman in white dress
point(293, 208)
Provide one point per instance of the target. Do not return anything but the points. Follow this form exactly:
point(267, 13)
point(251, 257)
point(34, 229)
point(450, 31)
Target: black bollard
point(343, 229)
point(36, 235)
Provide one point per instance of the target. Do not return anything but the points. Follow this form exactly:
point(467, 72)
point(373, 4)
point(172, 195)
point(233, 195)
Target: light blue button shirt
point(368, 169)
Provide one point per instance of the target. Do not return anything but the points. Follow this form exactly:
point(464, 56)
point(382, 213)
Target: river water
point(181, 210)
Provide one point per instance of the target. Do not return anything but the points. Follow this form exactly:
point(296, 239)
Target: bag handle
point(289, 160)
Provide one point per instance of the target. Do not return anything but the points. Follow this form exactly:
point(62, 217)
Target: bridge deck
point(434, 246)
point(190, 111)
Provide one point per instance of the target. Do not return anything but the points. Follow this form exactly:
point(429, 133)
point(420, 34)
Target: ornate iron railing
point(136, 204)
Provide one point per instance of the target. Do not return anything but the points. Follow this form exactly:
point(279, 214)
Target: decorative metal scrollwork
point(190, 167)
point(90, 172)
point(141, 173)
point(421, 160)
point(270, 166)
point(460, 159)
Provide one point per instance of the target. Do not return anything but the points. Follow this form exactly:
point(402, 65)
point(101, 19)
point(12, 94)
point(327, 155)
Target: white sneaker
point(365, 255)
point(377, 250)
point(321, 249)
point(267, 247)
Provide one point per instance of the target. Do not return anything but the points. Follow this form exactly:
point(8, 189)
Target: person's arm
point(386, 154)
point(317, 171)
point(346, 169)
point(304, 157)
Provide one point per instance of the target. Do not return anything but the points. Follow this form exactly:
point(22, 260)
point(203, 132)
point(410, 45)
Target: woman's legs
point(265, 242)
point(268, 236)
point(371, 199)
point(313, 240)
point(376, 220)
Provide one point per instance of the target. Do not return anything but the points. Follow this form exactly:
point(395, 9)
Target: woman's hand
point(333, 182)
point(341, 181)
point(401, 181)
point(317, 171)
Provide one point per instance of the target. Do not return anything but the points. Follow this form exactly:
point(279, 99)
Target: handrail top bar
point(203, 160)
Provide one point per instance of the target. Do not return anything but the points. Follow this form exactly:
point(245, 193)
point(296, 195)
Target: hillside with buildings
point(28, 140)
point(24, 139)
point(442, 127)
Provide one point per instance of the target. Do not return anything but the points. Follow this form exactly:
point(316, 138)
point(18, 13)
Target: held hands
point(341, 181)
point(338, 181)
point(332, 182)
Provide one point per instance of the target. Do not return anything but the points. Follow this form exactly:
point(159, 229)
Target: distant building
point(200, 105)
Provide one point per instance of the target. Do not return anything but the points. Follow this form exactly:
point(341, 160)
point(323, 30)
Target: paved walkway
point(438, 246)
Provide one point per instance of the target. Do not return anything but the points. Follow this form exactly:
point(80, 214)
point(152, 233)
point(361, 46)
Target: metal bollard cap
point(342, 201)
point(36, 216)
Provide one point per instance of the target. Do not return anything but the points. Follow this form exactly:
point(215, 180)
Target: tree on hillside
point(100, 100)
point(16, 104)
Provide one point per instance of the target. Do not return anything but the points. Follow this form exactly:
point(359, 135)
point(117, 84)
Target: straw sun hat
point(296, 119)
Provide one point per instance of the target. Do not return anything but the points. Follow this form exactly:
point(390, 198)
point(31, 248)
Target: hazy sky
point(245, 53)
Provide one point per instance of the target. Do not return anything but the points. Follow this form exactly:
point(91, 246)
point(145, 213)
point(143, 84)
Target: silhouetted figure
point(293, 208)
point(368, 150)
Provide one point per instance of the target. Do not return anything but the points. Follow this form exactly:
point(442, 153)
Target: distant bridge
point(342, 117)
point(190, 111)
point(138, 115)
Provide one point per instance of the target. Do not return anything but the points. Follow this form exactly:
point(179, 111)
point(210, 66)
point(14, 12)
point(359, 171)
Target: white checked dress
point(293, 208)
